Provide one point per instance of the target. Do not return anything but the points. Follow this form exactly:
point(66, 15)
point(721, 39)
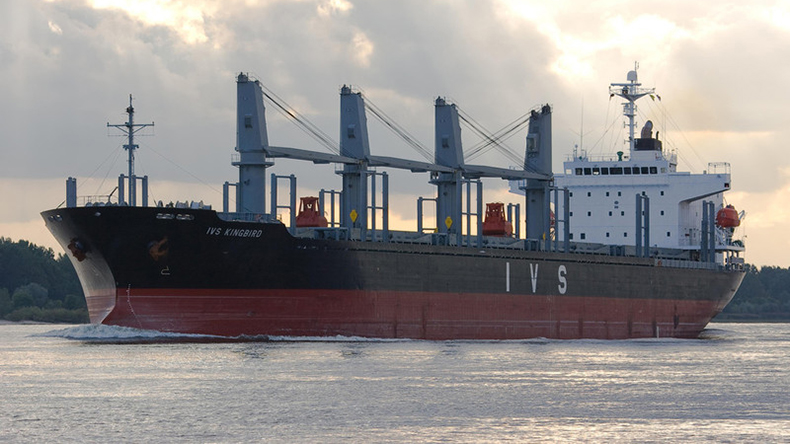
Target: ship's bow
point(74, 234)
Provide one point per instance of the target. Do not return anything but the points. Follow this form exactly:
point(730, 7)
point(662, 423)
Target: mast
point(130, 128)
point(630, 91)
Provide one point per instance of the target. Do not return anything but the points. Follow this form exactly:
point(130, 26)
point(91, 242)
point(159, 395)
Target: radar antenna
point(630, 91)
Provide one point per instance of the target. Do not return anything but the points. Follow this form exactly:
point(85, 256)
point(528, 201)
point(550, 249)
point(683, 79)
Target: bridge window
point(636, 170)
point(653, 170)
point(615, 171)
point(587, 171)
point(645, 170)
point(596, 171)
point(604, 171)
point(578, 171)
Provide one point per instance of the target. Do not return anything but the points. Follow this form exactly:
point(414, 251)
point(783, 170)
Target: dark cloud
point(67, 68)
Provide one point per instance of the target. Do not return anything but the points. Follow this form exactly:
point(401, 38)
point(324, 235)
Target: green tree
point(22, 263)
point(764, 294)
point(37, 291)
point(6, 304)
point(73, 301)
point(22, 299)
point(46, 287)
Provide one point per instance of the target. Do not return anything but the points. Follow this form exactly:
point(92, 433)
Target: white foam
point(110, 333)
point(101, 332)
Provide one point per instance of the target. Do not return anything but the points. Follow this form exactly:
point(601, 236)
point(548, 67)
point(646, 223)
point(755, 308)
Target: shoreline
point(29, 322)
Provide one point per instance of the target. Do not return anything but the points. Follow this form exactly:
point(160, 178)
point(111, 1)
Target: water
point(106, 384)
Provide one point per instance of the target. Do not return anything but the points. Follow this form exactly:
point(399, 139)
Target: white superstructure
point(603, 191)
point(603, 198)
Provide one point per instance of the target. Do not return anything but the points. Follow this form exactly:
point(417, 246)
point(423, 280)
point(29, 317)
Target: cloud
point(329, 8)
point(362, 49)
point(778, 15)
point(55, 28)
point(767, 210)
point(579, 42)
point(765, 224)
point(185, 18)
point(70, 65)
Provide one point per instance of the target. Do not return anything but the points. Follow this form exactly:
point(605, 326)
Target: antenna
point(631, 91)
point(130, 129)
point(581, 127)
point(579, 147)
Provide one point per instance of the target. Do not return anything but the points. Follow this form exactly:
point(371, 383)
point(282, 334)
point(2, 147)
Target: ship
point(540, 268)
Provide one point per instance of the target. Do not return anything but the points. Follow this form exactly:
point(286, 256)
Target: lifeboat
point(309, 213)
point(495, 223)
point(727, 217)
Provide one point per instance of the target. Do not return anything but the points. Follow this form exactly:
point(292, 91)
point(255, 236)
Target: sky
point(67, 68)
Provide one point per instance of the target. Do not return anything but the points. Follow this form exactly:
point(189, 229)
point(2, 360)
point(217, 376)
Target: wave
point(114, 334)
point(100, 333)
point(719, 334)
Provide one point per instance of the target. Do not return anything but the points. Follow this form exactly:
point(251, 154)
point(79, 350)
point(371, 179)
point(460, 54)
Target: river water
point(106, 384)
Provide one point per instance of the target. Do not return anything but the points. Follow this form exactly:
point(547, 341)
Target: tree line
point(37, 285)
point(763, 295)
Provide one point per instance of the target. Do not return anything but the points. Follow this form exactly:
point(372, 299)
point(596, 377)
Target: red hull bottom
point(416, 315)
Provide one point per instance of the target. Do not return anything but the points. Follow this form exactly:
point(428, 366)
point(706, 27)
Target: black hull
point(196, 273)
